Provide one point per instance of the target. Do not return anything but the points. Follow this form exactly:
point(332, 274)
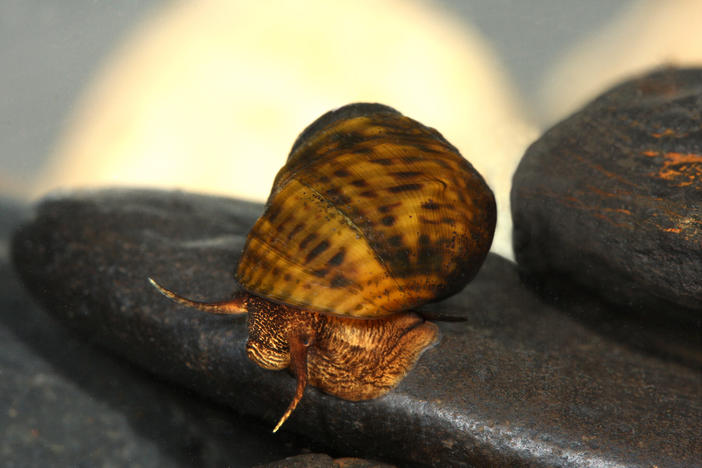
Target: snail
point(372, 216)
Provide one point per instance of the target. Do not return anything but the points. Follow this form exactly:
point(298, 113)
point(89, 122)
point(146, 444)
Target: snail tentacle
point(234, 306)
point(299, 345)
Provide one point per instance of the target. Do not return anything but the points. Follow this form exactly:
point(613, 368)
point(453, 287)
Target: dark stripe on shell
point(295, 230)
point(406, 174)
point(405, 188)
point(307, 240)
point(340, 281)
point(387, 208)
point(388, 220)
point(338, 258)
point(320, 273)
point(428, 221)
point(348, 142)
point(273, 211)
point(318, 249)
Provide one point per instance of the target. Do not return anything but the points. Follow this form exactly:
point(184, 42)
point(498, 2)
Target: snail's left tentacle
point(234, 306)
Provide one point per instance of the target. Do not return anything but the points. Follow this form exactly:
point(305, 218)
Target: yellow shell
point(372, 214)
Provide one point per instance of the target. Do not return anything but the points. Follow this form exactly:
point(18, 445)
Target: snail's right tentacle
point(299, 344)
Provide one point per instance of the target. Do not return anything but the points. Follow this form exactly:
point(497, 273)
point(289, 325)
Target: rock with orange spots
point(611, 197)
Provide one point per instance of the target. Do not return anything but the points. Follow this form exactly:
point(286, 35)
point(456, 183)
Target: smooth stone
point(518, 383)
point(611, 198)
point(67, 402)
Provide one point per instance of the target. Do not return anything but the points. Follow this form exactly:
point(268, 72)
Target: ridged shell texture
point(373, 213)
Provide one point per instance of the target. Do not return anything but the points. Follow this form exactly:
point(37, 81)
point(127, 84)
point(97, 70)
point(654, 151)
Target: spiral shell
point(372, 214)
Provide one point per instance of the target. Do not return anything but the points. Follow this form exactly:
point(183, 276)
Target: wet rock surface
point(520, 382)
point(611, 198)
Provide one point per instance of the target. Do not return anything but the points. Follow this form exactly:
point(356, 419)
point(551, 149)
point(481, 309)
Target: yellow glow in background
point(209, 95)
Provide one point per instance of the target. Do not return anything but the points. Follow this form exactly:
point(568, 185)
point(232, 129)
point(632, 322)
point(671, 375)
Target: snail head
point(279, 335)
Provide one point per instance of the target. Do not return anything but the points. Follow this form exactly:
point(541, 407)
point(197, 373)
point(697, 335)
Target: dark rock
point(66, 402)
point(518, 383)
point(611, 198)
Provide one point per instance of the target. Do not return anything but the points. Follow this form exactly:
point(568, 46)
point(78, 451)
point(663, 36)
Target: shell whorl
point(373, 213)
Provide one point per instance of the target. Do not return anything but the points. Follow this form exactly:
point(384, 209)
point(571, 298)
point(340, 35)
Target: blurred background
point(209, 95)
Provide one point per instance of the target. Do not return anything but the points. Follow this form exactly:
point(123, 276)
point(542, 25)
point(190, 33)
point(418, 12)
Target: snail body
point(372, 215)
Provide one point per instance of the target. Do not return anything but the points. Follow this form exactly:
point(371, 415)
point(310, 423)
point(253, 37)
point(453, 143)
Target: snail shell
point(373, 214)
